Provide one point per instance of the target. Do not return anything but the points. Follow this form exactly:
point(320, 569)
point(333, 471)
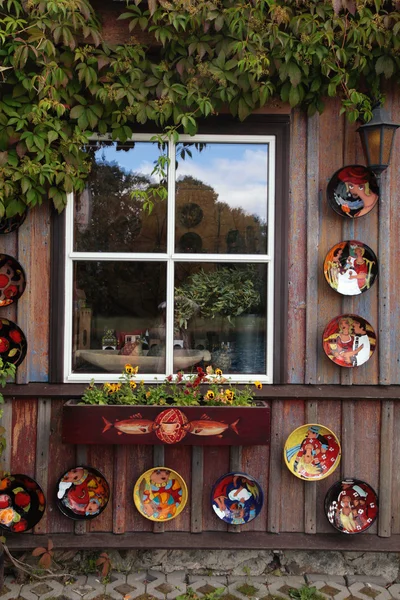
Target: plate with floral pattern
point(22, 503)
point(12, 280)
point(13, 343)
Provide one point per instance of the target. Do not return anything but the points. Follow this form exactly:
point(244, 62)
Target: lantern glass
point(377, 140)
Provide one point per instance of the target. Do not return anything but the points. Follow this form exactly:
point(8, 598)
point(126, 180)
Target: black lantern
point(377, 140)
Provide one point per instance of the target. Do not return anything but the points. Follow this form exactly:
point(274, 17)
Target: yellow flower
point(229, 394)
point(107, 386)
point(135, 370)
point(148, 394)
point(132, 384)
point(210, 395)
point(258, 385)
point(218, 372)
point(129, 369)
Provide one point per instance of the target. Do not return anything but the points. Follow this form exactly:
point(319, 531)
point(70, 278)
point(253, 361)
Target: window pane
point(221, 198)
point(118, 316)
point(109, 214)
point(220, 310)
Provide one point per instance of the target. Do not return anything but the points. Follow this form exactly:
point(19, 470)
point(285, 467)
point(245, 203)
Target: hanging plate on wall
point(312, 452)
point(10, 224)
point(13, 344)
point(22, 503)
point(160, 494)
point(237, 498)
point(349, 340)
point(12, 280)
point(350, 268)
point(351, 506)
point(82, 493)
point(353, 191)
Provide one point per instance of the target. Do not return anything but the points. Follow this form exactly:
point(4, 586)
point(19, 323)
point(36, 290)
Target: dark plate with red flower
point(82, 493)
point(22, 503)
point(353, 191)
point(237, 498)
point(12, 280)
point(351, 506)
point(13, 344)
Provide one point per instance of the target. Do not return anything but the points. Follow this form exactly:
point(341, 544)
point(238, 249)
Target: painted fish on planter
point(171, 426)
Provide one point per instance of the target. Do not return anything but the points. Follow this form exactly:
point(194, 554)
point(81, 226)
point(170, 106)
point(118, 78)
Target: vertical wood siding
point(369, 430)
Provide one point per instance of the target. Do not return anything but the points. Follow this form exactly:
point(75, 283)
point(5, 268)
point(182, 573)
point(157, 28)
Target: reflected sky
point(237, 172)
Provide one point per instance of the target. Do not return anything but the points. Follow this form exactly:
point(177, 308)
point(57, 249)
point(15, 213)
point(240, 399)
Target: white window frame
point(170, 257)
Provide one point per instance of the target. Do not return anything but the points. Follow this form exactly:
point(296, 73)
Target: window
point(190, 283)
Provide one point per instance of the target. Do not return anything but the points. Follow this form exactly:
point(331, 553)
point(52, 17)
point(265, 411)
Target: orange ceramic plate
point(160, 494)
point(312, 452)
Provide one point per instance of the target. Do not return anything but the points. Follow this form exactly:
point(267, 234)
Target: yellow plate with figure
point(160, 494)
point(312, 452)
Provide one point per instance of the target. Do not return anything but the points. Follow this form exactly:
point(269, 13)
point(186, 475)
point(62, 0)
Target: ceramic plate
point(82, 493)
point(351, 506)
point(349, 340)
point(160, 494)
point(312, 452)
point(353, 191)
point(350, 268)
point(12, 280)
point(13, 344)
point(237, 498)
point(10, 224)
point(22, 503)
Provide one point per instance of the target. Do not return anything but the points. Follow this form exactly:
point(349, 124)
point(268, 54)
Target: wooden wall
point(369, 429)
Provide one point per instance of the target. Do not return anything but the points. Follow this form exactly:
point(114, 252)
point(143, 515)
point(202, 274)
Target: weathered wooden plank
point(348, 438)
point(158, 461)
point(140, 460)
point(310, 487)
point(6, 422)
point(235, 464)
point(255, 462)
point(216, 464)
point(23, 436)
point(33, 306)
point(296, 325)
point(82, 459)
point(386, 469)
point(42, 456)
point(292, 489)
point(196, 497)
point(313, 202)
point(275, 466)
point(102, 458)
point(179, 458)
point(119, 489)
point(396, 472)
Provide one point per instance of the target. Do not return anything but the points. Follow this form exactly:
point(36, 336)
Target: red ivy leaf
point(39, 551)
point(45, 561)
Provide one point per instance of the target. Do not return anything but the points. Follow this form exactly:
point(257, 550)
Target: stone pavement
point(160, 586)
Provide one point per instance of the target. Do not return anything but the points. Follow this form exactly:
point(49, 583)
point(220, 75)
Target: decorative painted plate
point(349, 340)
point(312, 452)
point(10, 224)
point(13, 344)
point(353, 191)
point(350, 268)
point(22, 503)
point(160, 494)
point(351, 506)
point(237, 498)
point(12, 280)
point(82, 493)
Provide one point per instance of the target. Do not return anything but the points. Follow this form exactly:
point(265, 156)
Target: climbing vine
point(60, 82)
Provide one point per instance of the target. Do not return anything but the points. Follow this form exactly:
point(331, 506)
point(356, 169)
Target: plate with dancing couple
point(349, 340)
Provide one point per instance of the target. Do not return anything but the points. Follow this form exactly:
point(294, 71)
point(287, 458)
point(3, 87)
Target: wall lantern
point(377, 140)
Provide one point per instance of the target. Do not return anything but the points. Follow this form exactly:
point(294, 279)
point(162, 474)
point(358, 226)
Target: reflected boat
point(112, 361)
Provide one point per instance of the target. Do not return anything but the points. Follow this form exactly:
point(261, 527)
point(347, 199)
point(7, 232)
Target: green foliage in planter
point(210, 388)
point(60, 82)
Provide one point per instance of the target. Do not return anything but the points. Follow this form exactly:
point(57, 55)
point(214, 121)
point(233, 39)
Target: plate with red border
point(237, 498)
point(351, 506)
point(22, 503)
point(312, 452)
point(349, 340)
point(82, 493)
point(350, 268)
point(160, 494)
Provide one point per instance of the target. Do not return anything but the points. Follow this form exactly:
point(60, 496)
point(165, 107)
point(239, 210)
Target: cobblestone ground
point(158, 586)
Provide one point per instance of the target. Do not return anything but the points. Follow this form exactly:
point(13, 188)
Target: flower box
point(187, 425)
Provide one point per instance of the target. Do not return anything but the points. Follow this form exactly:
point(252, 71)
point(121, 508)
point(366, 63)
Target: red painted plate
point(351, 506)
point(349, 340)
point(13, 344)
point(22, 503)
point(350, 268)
point(12, 280)
point(82, 493)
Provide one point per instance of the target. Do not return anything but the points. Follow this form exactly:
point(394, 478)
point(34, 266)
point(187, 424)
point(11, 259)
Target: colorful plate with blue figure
point(351, 506)
point(160, 494)
point(312, 452)
point(22, 503)
point(237, 498)
point(82, 493)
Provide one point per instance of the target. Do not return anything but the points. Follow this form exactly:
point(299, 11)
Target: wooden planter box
point(188, 425)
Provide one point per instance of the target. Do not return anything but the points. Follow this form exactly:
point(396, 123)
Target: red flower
point(5, 501)
point(11, 291)
point(15, 335)
point(3, 280)
point(20, 526)
point(22, 499)
point(4, 344)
